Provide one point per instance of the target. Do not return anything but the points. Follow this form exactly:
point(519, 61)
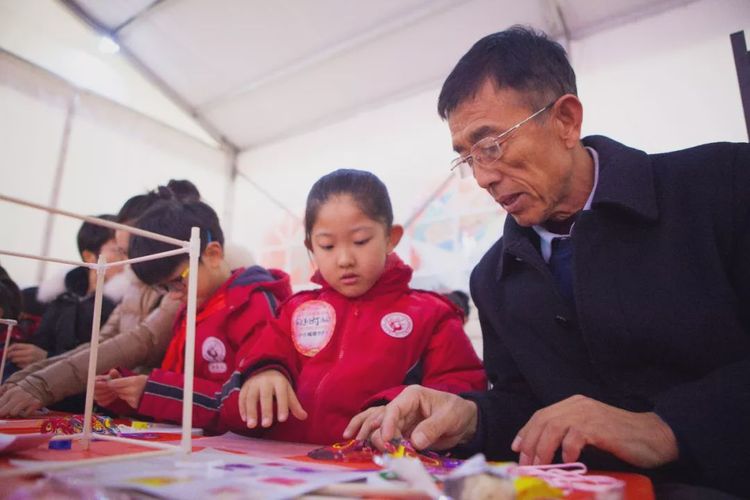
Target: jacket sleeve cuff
point(475, 444)
point(265, 365)
point(120, 408)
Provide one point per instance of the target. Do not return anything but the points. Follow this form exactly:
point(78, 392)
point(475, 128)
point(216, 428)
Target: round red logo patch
point(397, 325)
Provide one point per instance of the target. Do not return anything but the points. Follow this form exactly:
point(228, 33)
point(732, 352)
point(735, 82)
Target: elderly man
point(615, 308)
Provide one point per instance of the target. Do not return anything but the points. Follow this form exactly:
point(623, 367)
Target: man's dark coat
point(661, 278)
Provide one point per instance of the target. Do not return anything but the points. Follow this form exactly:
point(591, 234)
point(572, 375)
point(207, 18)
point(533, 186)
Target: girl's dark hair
point(182, 190)
point(518, 58)
point(91, 237)
point(367, 191)
point(172, 218)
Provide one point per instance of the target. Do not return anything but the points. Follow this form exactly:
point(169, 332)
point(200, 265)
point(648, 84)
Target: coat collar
point(245, 280)
point(626, 178)
point(626, 182)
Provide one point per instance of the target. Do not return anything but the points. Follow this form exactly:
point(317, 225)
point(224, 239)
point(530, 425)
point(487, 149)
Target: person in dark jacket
point(614, 309)
point(10, 308)
point(69, 299)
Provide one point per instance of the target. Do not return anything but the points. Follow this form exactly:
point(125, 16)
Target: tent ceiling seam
point(392, 26)
point(138, 15)
point(151, 75)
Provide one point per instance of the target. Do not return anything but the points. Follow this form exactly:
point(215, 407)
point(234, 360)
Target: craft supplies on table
point(233, 466)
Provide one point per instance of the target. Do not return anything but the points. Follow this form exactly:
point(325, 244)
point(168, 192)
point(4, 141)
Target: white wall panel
point(113, 153)
point(662, 83)
point(31, 125)
point(666, 82)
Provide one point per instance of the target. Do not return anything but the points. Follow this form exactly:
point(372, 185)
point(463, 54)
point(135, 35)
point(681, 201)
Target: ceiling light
point(108, 46)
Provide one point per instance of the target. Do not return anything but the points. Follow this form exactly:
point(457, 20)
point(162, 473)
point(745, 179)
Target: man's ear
point(213, 253)
point(89, 257)
point(568, 112)
point(397, 231)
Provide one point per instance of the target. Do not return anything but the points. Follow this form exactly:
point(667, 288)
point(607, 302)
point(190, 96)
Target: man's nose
point(486, 176)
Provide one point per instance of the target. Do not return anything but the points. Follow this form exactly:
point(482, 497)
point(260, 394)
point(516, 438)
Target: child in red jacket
point(231, 307)
point(354, 344)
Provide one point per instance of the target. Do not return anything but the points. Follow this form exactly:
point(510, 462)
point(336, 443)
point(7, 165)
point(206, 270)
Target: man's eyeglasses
point(490, 149)
point(178, 284)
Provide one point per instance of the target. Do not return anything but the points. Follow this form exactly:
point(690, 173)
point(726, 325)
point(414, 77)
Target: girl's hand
point(22, 355)
point(103, 395)
point(262, 389)
point(129, 389)
point(365, 422)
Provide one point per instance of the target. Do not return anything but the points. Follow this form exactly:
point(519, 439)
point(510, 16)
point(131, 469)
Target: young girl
point(354, 343)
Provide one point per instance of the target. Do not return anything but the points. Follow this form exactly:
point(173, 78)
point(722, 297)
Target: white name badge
point(312, 326)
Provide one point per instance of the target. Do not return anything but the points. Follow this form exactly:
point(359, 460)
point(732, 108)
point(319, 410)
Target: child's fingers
point(113, 373)
point(251, 407)
point(266, 404)
point(120, 386)
point(294, 404)
point(241, 402)
point(102, 394)
point(282, 404)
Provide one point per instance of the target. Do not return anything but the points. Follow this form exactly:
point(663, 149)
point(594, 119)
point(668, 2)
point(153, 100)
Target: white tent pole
point(10, 323)
point(54, 196)
point(97, 221)
point(268, 195)
point(48, 259)
point(426, 203)
point(89, 406)
point(187, 393)
point(145, 258)
point(229, 190)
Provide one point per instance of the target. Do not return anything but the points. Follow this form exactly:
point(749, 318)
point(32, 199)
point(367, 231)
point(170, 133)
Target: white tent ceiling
point(253, 71)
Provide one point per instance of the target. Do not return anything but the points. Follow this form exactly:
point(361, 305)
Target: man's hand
point(263, 389)
point(16, 402)
point(22, 355)
point(640, 439)
point(429, 418)
point(366, 421)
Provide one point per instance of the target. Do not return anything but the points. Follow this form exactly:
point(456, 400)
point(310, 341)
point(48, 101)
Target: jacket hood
point(246, 280)
point(396, 276)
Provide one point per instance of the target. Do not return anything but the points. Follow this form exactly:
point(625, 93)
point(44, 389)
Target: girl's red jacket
point(239, 309)
point(344, 355)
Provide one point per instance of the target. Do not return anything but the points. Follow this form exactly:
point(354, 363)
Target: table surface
point(636, 486)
